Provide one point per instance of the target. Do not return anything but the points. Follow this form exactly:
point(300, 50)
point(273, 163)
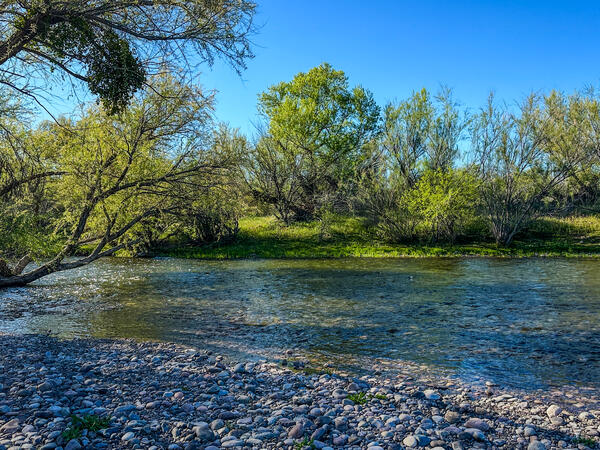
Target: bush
point(442, 203)
point(437, 209)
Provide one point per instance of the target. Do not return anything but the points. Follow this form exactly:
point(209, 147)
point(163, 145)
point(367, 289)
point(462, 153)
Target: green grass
point(588, 442)
point(89, 422)
point(358, 399)
point(305, 443)
point(265, 237)
point(361, 398)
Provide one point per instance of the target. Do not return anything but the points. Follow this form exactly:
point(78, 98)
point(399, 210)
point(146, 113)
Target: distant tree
point(420, 135)
point(576, 127)
point(522, 157)
point(274, 177)
point(441, 204)
point(422, 132)
point(316, 128)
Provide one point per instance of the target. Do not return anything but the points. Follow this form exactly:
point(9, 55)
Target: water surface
point(520, 322)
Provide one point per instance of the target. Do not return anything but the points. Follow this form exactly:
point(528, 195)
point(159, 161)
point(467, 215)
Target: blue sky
point(396, 47)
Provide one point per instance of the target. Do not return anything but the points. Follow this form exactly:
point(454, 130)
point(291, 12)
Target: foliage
point(305, 443)
point(115, 47)
point(412, 191)
point(316, 129)
point(440, 205)
point(521, 158)
point(360, 398)
point(589, 442)
point(421, 133)
point(89, 422)
point(121, 174)
point(23, 233)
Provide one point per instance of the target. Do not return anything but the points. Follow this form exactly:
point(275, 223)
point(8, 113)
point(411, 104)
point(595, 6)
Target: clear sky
point(395, 47)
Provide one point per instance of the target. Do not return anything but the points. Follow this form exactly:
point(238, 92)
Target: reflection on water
point(524, 323)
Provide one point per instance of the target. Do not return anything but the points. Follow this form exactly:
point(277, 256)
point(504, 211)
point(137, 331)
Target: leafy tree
point(113, 46)
point(522, 157)
point(119, 173)
point(420, 136)
point(422, 132)
point(438, 208)
point(574, 133)
point(441, 204)
point(316, 129)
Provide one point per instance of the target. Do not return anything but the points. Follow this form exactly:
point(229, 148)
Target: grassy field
point(265, 237)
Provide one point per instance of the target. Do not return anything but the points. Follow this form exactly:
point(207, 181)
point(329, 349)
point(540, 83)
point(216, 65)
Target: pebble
point(536, 445)
point(159, 395)
point(553, 411)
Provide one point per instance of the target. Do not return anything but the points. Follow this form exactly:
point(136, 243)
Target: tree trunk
point(56, 265)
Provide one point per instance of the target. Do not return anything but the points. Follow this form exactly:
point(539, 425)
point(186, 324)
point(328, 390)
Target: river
point(525, 323)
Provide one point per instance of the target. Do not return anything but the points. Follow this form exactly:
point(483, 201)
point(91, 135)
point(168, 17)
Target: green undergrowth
point(89, 422)
point(265, 237)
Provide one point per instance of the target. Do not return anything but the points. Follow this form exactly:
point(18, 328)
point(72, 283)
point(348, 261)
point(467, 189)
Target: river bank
point(344, 237)
point(156, 395)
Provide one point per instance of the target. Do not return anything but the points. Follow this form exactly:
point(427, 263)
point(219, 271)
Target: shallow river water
point(526, 323)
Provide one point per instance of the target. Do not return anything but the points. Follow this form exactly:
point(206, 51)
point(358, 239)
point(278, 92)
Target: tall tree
point(522, 156)
point(119, 172)
point(319, 124)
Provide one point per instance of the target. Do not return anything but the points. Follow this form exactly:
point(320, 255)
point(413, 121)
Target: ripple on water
point(523, 323)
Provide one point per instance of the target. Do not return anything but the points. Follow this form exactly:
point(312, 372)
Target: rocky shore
point(101, 394)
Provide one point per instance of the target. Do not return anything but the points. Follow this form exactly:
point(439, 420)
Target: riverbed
point(522, 323)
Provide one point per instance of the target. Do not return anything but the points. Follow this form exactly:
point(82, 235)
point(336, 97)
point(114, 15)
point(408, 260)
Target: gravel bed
point(99, 394)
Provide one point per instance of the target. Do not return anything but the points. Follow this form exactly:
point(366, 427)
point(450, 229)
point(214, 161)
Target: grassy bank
point(265, 237)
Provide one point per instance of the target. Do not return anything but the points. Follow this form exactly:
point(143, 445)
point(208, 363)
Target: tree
point(316, 129)
point(441, 204)
point(522, 156)
point(274, 176)
point(420, 135)
point(120, 172)
point(422, 132)
point(576, 128)
point(114, 46)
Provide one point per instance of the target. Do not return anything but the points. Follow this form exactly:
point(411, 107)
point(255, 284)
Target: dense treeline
point(161, 171)
point(423, 168)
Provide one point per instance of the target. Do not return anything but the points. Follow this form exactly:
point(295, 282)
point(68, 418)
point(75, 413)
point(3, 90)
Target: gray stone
point(431, 394)
point(451, 416)
point(233, 443)
point(474, 422)
point(10, 427)
point(476, 434)
point(73, 444)
point(297, 431)
point(536, 445)
point(553, 411)
point(128, 436)
point(410, 441)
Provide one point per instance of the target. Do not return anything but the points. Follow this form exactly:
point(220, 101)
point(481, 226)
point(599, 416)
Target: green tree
point(119, 173)
point(441, 204)
point(522, 157)
point(316, 129)
point(420, 135)
point(114, 46)
point(422, 132)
